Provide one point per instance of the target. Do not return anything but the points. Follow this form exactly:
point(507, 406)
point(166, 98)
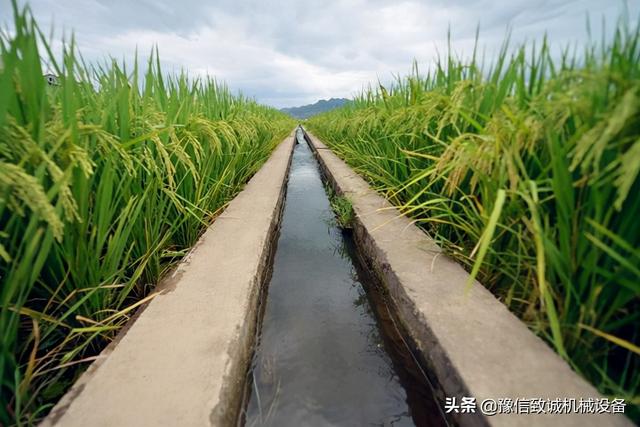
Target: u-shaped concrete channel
point(183, 359)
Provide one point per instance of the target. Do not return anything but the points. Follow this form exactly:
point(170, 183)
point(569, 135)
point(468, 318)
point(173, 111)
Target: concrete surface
point(471, 343)
point(183, 361)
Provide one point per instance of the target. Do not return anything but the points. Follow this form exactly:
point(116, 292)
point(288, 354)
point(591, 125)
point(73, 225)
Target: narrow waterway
point(321, 359)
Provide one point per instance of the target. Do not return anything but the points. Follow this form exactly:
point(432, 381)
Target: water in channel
point(320, 359)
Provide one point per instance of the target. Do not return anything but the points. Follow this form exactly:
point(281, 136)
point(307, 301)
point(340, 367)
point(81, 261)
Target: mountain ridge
point(306, 111)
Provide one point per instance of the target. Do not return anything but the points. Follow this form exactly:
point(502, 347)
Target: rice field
point(525, 171)
point(107, 177)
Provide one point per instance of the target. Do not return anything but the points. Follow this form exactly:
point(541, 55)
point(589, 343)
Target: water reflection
point(320, 359)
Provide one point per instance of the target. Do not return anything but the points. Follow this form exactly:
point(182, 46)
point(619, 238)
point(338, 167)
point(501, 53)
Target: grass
point(526, 172)
point(342, 209)
point(106, 180)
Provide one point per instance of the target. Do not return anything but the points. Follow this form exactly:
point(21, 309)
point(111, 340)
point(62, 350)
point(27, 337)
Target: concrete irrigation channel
point(277, 317)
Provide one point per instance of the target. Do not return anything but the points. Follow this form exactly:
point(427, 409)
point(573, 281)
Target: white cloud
point(288, 52)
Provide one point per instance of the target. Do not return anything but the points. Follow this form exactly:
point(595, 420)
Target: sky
point(287, 53)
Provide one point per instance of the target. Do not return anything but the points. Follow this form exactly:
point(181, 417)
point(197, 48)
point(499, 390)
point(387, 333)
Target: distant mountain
point(321, 106)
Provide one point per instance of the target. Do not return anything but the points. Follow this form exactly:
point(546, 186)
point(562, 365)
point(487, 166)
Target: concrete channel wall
point(472, 345)
point(184, 359)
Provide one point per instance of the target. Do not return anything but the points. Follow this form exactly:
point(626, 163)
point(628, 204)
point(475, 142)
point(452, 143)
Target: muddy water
point(321, 359)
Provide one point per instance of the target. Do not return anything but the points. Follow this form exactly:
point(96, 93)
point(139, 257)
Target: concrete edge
point(222, 408)
point(240, 352)
point(453, 328)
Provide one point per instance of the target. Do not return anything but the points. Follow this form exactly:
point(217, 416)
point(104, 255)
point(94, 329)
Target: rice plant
point(527, 173)
point(107, 177)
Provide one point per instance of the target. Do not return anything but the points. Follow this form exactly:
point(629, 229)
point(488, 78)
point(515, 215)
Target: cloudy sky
point(288, 52)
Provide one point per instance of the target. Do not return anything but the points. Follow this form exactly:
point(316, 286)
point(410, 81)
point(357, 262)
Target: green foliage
point(342, 209)
point(526, 173)
point(106, 179)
